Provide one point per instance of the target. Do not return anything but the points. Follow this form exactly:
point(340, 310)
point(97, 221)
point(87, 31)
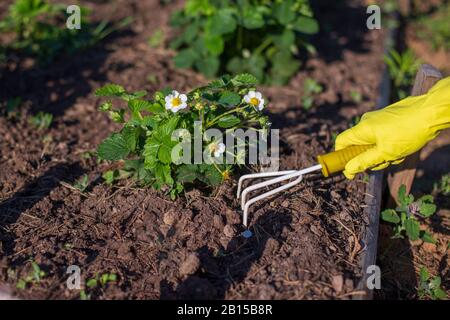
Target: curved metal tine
point(265, 184)
point(298, 173)
point(268, 194)
point(260, 175)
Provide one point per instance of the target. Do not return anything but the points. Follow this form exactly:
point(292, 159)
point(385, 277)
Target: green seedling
point(444, 185)
point(40, 30)
point(402, 69)
point(310, 89)
point(99, 281)
point(261, 37)
point(405, 216)
point(356, 96)
point(82, 184)
point(157, 39)
point(33, 278)
point(430, 287)
point(147, 139)
point(42, 120)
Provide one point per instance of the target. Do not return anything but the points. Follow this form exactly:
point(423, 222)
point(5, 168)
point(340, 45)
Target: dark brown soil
point(306, 243)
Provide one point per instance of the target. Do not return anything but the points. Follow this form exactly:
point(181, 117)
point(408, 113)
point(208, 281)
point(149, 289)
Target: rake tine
point(264, 184)
point(268, 194)
point(260, 175)
point(293, 173)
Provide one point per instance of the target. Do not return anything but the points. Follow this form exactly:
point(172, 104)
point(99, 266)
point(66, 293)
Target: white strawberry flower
point(217, 149)
point(255, 99)
point(176, 101)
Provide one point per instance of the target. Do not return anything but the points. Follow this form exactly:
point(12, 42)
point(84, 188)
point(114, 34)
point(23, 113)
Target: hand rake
point(329, 163)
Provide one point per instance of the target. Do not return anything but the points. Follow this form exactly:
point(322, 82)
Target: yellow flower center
point(254, 102)
point(226, 175)
point(176, 102)
point(213, 147)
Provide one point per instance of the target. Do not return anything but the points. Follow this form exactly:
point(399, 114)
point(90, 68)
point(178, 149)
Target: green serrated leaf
point(110, 90)
point(412, 228)
point(113, 148)
point(390, 215)
point(151, 153)
point(229, 98)
point(283, 12)
point(244, 79)
point(185, 58)
point(209, 66)
point(427, 209)
point(223, 22)
point(187, 173)
point(252, 19)
point(131, 135)
point(165, 129)
point(228, 121)
point(214, 44)
point(165, 154)
point(306, 25)
point(427, 237)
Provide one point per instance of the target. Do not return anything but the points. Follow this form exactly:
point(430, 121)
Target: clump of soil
point(306, 243)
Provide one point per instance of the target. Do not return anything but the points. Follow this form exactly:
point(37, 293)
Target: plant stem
point(213, 121)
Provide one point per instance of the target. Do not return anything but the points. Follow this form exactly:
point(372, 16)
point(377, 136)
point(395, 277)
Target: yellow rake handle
point(335, 161)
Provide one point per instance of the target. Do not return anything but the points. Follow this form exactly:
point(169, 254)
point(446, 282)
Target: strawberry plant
point(40, 30)
point(153, 128)
point(430, 287)
point(262, 37)
point(405, 216)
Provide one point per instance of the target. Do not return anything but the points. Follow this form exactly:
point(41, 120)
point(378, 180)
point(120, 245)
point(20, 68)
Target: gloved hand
point(397, 130)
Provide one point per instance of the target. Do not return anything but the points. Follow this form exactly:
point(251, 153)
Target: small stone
point(218, 222)
point(229, 231)
point(335, 194)
point(338, 283)
point(285, 204)
point(232, 216)
point(315, 230)
point(169, 217)
point(190, 265)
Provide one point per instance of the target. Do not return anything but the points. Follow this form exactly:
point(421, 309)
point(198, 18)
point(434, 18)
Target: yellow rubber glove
point(397, 130)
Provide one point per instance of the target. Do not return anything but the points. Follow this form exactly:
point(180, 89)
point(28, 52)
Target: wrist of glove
point(397, 130)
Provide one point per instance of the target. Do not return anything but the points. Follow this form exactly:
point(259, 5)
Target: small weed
point(99, 281)
point(356, 96)
point(430, 288)
point(310, 89)
point(33, 278)
point(157, 39)
point(402, 69)
point(42, 120)
point(404, 217)
point(443, 186)
point(82, 184)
